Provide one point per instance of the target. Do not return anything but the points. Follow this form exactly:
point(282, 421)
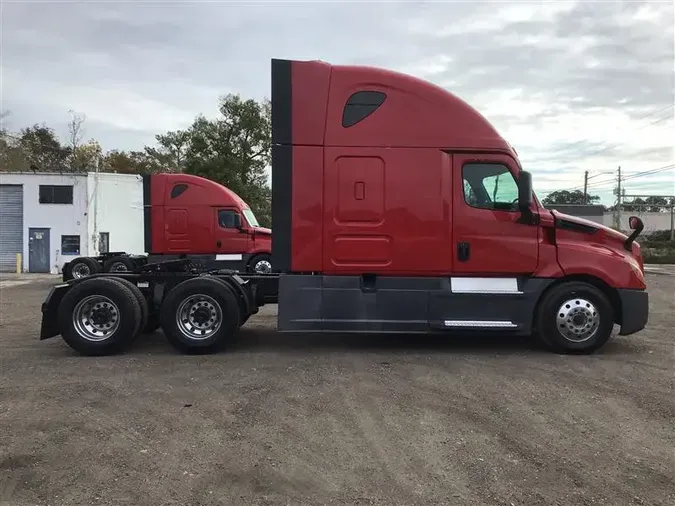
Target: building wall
point(60, 219)
point(117, 208)
point(588, 212)
point(653, 221)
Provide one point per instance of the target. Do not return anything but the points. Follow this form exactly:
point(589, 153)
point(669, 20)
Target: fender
point(614, 268)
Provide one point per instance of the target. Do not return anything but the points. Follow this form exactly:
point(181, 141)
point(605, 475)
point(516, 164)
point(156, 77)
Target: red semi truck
point(397, 208)
point(189, 217)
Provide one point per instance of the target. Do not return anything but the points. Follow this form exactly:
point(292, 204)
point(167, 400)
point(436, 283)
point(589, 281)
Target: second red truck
point(187, 216)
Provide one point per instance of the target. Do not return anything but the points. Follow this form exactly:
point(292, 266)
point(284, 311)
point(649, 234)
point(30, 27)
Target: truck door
point(490, 234)
point(231, 233)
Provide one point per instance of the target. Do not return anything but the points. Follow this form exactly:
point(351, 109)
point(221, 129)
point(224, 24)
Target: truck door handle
point(219, 244)
point(463, 251)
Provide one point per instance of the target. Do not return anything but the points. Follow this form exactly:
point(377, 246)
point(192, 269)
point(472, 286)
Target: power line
point(581, 142)
point(627, 177)
point(613, 146)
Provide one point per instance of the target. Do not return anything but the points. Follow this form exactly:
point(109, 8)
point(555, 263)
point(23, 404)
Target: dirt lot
point(317, 420)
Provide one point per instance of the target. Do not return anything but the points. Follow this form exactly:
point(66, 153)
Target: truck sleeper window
point(360, 105)
point(490, 186)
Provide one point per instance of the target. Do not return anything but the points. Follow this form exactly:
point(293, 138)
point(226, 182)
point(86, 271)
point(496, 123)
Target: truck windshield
point(250, 217)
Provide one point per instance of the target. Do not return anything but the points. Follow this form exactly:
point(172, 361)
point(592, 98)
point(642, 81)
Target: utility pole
point(617, 211)
point(95, 234)
point(585, 187)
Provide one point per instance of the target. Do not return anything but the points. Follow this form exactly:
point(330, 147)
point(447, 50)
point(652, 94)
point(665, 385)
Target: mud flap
point(50, 311)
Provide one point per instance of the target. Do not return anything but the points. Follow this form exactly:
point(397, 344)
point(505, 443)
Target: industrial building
point(47, 219)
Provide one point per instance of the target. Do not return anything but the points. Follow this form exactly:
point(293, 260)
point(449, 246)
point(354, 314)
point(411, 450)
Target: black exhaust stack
point(282, 163)
point(147, 214)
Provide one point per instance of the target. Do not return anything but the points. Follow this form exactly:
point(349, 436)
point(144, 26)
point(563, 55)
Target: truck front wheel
point(574, 317)
point(200, 315)
point(261, 264)
point(99, 316)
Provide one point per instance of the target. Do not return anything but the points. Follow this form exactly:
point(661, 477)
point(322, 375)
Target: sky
point(573, 86)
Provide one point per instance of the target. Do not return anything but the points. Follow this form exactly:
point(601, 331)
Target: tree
point(131, 162)
point(569, 197)
point(170, 155)
point(650, 204)
point(12, 157)
point(233, 149)
point(75, 130)
point(43, 150)
point(85, 156)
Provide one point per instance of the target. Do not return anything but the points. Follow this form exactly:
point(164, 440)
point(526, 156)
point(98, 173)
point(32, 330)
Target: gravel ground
point(336, 420)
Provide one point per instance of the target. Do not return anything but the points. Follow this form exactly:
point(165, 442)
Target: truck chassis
point(120, 261)
point(198, 309)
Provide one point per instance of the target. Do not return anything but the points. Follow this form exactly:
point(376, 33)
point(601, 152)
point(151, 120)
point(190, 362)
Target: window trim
point(230, 210)
point(178, 189)
point(79, 244)
point(52, 187)
point(251, 223)
point(514, 205)
point(369, 99)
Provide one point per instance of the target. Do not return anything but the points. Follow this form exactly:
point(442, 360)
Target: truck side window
point(360, 105)
point(490, 186)
point(227, 218)
point(178, 190)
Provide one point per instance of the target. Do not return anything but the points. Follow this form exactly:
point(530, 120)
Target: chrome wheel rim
point(96, 318)
point(577, 320)
point(81, 270)
point(118, 267)
point(199, 317)
point(263, 267)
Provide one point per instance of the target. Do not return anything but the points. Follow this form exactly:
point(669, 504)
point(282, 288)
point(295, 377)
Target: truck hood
point(262, 230)
point(575, 220)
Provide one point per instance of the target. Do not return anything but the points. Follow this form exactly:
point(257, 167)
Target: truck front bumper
point(634, 310)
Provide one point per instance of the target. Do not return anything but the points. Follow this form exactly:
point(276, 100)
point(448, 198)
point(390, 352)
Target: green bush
point(659, 255)
point(658, 236)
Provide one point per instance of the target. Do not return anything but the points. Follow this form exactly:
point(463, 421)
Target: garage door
point(11, 225)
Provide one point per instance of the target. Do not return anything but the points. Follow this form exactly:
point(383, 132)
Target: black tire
point(141, 301)
point(119, 264)
point(220, 306)
point(580, 327)
point(260, 259)
point(241, 303)
point(81, 267)
point(124, 306)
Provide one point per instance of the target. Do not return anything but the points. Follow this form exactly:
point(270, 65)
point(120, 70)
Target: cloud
point(574, 86)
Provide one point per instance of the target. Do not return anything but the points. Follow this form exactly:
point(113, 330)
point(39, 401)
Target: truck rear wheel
point(99, 316)
point(140, 300)
point(200, 315)
point(119, 264)
point(81, 267)
point(574, 317)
